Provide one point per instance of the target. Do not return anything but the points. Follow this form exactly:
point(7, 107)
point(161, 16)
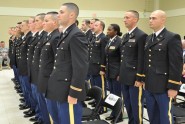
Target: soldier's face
point(110, 32)
point(38, 23)
point(97, 27)
point(156, 20)
point(48, 24)
point(63, 15)
point(84, 26)
point(129, 19)
point(92, 24)
point(31, 24)
point(24, 27)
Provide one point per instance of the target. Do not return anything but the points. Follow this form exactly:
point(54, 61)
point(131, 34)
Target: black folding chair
point(117, 108)
point(91, 114)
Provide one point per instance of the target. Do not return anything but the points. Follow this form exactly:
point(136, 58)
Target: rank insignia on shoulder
point(98, 41)
point(132, 40)
point(47, 43)
point(112, 47)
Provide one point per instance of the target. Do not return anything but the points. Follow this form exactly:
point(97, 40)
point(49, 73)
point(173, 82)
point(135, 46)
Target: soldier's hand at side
point(102, 73)
point(72, 100)
point(138, 84)
point(117, 78)
point(172, 93)
point(183, 70)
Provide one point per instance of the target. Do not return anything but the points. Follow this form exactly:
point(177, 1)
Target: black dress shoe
point(13, 79)
point(21, 95)
point(21, 99)
point(34, 119)
point(88, 98)
point(90, 103)
point(109, 118)
point(93, 105)
point(24, 107)
point(118, 121)
point(17, 87)
point(19, 91)
point(31, 112)
point(38, 122)
point(29, 115)
point(28, 111)
point(23, 104)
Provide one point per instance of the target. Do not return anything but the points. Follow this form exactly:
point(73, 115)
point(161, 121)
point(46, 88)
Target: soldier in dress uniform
point(46, 63)
point(112, 62)
point(10, 32)
point(66, 85)
point(131, 70)
point(23, 72)
point(97, 54)
point(163, 69)
point(34, 110)
point(86, 29)
point(43, 112)
point(15, 55)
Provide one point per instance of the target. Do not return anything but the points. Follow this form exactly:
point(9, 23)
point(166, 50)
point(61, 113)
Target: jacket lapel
point(131, 35)
point(66, 33)
point(158, 39)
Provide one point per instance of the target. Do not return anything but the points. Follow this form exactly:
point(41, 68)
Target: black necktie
point(127, 35)
point(153, 37)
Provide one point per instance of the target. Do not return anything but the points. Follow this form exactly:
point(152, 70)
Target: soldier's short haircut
point(19, 23)
point(72, 7)
point(53, 15)
point(95, 19)
point(52, 12)
point(41, 16)
point(26, 21)
point(2, 42)
point(87, 21)
point(136, 14)
point(32, 17)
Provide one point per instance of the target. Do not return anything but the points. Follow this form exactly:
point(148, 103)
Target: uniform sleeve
point(103, 56)
point(175, 53)
point(79, 56)
point(140, 65)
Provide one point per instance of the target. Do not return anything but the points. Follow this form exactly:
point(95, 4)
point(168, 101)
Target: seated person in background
point(4, 59)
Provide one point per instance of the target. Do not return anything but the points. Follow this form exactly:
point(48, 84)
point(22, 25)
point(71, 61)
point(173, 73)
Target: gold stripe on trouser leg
point(140, 104)
point(169, 111)
point(103, 87)
point(51, 120)
point(71, 114)
point(89, 81)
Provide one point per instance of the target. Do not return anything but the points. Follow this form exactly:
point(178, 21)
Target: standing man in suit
point(131, 70)
point(46, 63)
point(39, 19)
point(97, 54)
point(163, 68)
point(23, 71)
point(86, 29)
point(66, 85)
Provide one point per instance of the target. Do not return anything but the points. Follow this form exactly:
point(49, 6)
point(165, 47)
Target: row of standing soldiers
point(120, 61)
